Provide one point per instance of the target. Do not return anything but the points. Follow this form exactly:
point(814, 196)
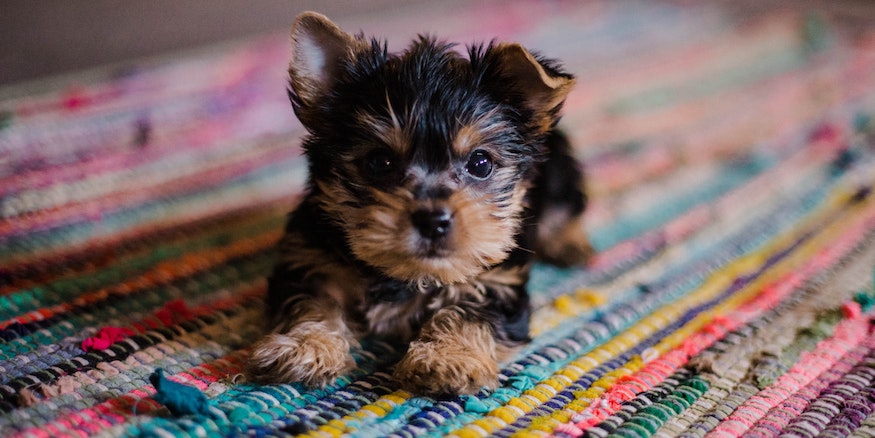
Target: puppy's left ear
point(541, 87)
point(319, 49)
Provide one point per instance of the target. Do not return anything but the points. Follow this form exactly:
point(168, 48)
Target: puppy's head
point(422, 158)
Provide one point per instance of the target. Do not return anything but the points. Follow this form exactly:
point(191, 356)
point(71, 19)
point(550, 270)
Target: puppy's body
point(434, 181)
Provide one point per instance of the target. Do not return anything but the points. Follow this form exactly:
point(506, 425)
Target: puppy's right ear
point(319, 49)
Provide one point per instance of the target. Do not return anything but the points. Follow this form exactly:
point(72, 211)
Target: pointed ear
point(319, 49)
point(542, 88)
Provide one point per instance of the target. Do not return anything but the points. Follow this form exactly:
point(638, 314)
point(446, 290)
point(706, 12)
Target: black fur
point(448, 85)
point(435, 79)
point(435, 91)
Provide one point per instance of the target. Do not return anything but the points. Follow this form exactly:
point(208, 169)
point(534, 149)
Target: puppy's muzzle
point(433, 224)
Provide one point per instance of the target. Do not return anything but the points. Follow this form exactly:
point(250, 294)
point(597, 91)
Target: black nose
point(432, 224)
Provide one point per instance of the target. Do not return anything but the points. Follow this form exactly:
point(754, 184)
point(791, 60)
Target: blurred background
point(149, 156)
point(42, 38)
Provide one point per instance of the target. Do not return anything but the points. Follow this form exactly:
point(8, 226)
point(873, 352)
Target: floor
point(53, 37)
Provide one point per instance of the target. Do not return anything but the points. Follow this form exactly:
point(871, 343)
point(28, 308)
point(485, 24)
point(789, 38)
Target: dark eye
point(479, 164)
point(380, 162)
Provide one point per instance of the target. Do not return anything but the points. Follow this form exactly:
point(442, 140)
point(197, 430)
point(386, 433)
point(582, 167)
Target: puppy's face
point(423, 159)
point(438, 200)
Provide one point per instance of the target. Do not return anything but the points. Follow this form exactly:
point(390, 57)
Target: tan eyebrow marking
point(473, 134)
point(390, 133)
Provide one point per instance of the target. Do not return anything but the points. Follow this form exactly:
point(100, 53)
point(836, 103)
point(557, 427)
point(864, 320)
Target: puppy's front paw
point(439, 368)
point(309, 353)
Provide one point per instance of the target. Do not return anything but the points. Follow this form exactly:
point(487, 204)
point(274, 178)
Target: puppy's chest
point(396, 310)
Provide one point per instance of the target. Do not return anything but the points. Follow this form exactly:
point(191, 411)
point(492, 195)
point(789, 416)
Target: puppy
point(435, 178)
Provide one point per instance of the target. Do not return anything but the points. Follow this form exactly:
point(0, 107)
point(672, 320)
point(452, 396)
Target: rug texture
point(730, 161)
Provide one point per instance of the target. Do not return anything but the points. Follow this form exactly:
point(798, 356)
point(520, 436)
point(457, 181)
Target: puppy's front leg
point(454, 354)
point(311, 344)
point(459, 347)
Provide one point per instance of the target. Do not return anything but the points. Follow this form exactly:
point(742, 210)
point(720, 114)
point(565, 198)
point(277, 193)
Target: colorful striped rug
point(730, 158)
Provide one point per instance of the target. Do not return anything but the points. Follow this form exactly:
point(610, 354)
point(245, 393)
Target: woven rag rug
point(730, 160)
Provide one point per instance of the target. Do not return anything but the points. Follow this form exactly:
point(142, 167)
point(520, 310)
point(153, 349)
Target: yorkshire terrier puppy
point(435, 178)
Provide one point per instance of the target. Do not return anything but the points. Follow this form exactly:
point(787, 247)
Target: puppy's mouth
point(433, 249)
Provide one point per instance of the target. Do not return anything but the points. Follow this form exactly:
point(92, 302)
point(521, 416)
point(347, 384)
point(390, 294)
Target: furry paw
point(563, 241)
point(310, 353)
point(442, 368)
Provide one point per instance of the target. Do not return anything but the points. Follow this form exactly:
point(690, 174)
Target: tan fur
point(310, 353)
point(383, 236)
point(441, 291)
point(312, 346)
point(562, 240)
point(397, 320)
point(500, 278)
point(468, 138)
point(319, 46)
point(544, 92)
point(451, 356)
point(476, 134)
point(390, 132)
